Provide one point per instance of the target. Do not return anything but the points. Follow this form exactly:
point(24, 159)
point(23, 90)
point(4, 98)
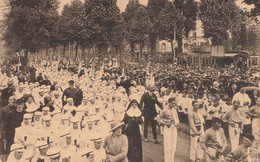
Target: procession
point(59, 115)
point(130, 81)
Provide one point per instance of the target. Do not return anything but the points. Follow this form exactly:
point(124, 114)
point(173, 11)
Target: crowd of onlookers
point(220, 106)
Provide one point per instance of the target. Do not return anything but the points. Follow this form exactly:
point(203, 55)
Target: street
point(154, 152)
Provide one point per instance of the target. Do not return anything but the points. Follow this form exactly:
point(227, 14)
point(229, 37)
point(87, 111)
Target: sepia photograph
point(129, 80)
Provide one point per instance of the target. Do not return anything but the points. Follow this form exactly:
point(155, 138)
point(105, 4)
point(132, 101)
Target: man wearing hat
point(16, 154)
point(147, 103)
point(65, 122)
point(99, 152)
point(116, 144)
point(69, 92)
point(79, 95)
point(3, 114)
point(37, 122)
point(54, 154)
point(87, 155)
point(46, 133)
point(23, 133)
point(57, 100)
point(75, 131)
point(48, 102)
point(13, 120)
point(41, 153)
point(6, 93)
point(213, 141)
point(67, 149)
point(19, 94)
point(39, 98)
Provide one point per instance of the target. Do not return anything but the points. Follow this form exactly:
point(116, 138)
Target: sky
point(120, 3)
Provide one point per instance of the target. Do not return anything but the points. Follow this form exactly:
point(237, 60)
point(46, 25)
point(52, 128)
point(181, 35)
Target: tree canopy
point(31, 24)
point(217, 17)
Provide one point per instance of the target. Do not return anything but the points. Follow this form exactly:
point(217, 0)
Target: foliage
point(167, 21)
point(217, 17)
point(101, 17)
point(137, 24)
point(31, 24)
point(72, 25)
point(255, 11)
point(154, 7)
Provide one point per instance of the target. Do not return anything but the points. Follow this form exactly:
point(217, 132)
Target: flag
point(110, 63)
point(92, 70)
point(148, 68)
point(123, 72)
point(101, 71)
point(150, 80)
point(80, 66)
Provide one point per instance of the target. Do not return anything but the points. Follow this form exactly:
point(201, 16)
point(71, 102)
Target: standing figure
point(169, 118)
point(234, 119)
point(133, 118)
point(13, 120)
point(148, 101)
point(196, 122)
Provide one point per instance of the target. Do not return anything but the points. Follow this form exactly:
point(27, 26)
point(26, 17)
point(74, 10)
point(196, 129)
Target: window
point(163, 46)
point(194, 35)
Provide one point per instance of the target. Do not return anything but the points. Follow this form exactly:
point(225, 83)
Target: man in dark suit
point(6, 93)
point(148, 101)
point(3, 114)
point(79, 95)
point(232, 91)
point(69, 92)
point(13, 120)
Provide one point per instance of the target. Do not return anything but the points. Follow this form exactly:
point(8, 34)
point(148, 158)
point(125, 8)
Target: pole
point(69, 50)
point(174, 37)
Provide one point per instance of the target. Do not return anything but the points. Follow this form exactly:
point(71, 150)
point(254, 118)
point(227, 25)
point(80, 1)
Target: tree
point(217, 17)
point(154, 7)
point(255, 11)
point(30, 25)
point(101, 18)
point(137, 23)
point(188, 9)
point(140, 27)
point(168, 23)
point(128, 15)
point(72, 27)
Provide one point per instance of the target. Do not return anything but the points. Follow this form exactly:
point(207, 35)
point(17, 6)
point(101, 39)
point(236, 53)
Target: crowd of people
point(55, 114)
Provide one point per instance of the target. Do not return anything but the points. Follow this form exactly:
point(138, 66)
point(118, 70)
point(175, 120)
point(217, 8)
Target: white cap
point(45, 108)
point(86, 151)
point(53, 152)
point(27, 116)
point(17, 147)
point(41, 144)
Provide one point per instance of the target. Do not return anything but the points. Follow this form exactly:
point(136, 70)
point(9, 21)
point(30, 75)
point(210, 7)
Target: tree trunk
point(132, 50)
point(141, 51)
point(180, 42)
point(172, 50)
point(153, 39)
point(64, 50)
point(25, 59)
point(76, 54)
